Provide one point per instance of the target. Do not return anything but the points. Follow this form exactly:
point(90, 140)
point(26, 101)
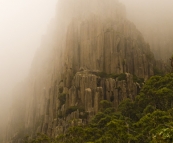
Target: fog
point(154, 18)
point(22, 24)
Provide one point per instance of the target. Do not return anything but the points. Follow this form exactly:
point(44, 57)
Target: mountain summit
point(91, 52)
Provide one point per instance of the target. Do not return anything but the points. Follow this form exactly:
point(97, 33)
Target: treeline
point(147, 119)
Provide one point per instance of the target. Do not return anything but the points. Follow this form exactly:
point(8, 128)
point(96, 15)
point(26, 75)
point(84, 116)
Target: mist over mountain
point(95, 54)
point(154, 20)
point(23, 22)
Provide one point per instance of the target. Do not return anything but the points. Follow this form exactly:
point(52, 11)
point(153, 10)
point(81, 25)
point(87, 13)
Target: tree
point(171, 59)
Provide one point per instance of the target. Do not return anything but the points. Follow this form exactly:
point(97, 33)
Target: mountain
point(90, 53)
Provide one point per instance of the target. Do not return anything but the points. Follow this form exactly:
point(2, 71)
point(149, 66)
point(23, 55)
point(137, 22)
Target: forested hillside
point(149, 118)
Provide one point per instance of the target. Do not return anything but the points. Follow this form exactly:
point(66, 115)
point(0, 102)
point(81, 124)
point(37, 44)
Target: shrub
point(62, 98)
point(71, 109)
point(74, 108)
point(121, 76)
point(158, 72)
point(60, 115)
point(138, 80)
point(105, 104)
point(84, 115)
point(60, 89)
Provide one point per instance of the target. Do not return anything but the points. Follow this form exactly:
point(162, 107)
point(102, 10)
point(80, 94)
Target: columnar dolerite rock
point(106, 45)
point(89, 89)
point(86, 92)
point(91, 53)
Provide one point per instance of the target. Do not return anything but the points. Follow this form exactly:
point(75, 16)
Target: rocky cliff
point(91, 53)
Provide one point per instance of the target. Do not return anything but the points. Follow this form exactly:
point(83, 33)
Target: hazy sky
point(154, 18)
point(22, 24)
point(146, 11)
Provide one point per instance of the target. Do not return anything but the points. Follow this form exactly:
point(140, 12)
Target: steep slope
point(91, 52)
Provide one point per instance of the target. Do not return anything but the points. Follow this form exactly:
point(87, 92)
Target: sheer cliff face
point(86, 38)
point(109, 45)
point(99, 37)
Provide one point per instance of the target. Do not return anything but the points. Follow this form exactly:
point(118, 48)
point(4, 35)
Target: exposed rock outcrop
point(91, 55)
point(108, 45)
point(82, 100)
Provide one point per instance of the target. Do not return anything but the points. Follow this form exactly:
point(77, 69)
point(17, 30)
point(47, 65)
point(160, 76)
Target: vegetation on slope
point(149, 118)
